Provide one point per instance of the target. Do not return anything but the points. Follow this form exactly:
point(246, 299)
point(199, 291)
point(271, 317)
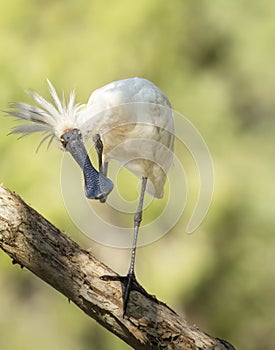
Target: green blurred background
point(215, 61)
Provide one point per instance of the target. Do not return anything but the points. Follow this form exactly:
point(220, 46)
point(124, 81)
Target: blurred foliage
point(215, 61)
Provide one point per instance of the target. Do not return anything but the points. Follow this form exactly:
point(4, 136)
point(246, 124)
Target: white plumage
point(132, 116)
point(134, 121)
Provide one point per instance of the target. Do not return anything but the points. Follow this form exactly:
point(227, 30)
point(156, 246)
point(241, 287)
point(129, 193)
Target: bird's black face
point(70, 137)
point(97, 186)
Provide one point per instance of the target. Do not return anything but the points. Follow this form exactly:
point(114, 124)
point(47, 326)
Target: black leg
point(99, 149)
point(129, 281)
point(103, 166)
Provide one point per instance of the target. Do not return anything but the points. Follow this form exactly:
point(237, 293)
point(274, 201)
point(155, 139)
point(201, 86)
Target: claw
point(129, 283)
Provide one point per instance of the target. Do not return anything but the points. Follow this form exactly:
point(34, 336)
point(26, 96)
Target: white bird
point(129, 120)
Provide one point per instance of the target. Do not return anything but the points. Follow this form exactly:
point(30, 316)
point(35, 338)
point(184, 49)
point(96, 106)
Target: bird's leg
point(137, 220)
point(99, 150)
point(103, 166)
point(129, 281)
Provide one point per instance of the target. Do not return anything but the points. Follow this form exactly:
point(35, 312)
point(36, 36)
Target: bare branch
point(34, 243)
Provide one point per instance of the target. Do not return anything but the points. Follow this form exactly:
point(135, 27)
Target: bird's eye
point(63, 142)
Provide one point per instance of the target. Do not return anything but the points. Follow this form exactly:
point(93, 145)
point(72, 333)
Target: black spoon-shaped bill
point(97, 186)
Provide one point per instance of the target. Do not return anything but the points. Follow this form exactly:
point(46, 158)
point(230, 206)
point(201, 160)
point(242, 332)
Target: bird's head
point(63, 122)
point(51, 118)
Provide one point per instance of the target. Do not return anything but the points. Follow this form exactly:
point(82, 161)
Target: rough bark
point(33, 242)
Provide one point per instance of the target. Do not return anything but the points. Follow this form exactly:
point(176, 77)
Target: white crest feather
point(49, 117)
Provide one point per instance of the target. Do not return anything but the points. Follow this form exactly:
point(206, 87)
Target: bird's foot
point(129, 284)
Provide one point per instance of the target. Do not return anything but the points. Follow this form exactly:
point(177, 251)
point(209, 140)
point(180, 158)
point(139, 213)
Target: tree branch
point(33, 242)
